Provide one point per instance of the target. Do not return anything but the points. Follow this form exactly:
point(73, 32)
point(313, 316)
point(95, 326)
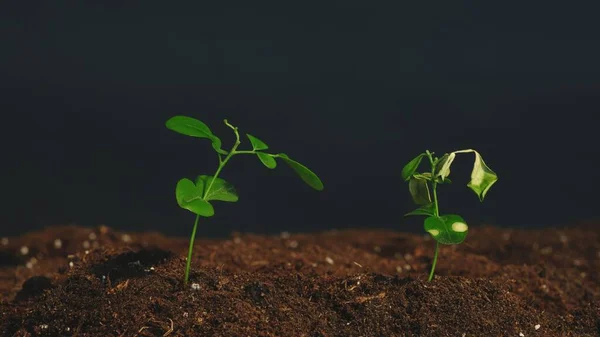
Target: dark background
point(352, 89)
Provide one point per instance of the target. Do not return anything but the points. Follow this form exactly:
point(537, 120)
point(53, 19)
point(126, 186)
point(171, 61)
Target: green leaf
point(428, 210)
point(419, 190)
point(220, 189)
point(305, 174)
point(449, 229)
point(443, 165)
point(189, 126)
point(194, 128)
point(189, 196)
point(412, 167)
point(482, 177)
point(257, 144)
point(216, 144)
point(267, 159)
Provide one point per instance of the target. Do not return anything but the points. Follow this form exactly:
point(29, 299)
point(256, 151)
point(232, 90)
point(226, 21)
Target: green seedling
point(196, 196)
point(449, 229)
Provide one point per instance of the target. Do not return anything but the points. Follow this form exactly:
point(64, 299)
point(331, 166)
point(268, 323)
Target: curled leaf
point(482, 177)
point(308, 176)
point(443, 165)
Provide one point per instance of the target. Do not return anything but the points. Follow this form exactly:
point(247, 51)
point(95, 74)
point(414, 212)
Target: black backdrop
point(351, 89)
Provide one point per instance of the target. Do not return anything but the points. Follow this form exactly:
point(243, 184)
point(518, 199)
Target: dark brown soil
point(500, 282)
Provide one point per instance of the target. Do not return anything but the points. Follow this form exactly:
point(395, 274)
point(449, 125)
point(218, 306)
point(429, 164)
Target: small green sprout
point(196, 196)
point(450, 229)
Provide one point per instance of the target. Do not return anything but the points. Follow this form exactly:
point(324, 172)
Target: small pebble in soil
point(126, 238)
point(399, 269)
point(92, 236)
point(546, 250)
point(237, 240)
point(329, 260)
point(31, 263)
point(537, 326)
point(521, 334)
point(71, 264)
point(44, 326)
point(582, 274)
point(186, 315)
point(285, 235)
point(292, 244)
point(377, 249)
point(58, 243)
point(577, 262)
point(104, 229)
point(24, 250)
point(195, 286)
point(4, 242)
point(408, 257)
point(407, 266)
point(86, 244)
point(506, 236)
point(563, 238)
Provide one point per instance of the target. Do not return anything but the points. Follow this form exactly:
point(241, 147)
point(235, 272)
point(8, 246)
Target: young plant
point(196, 196)
point(449, 229)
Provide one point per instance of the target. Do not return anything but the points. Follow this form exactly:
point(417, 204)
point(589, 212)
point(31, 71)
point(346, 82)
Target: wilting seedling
point(449, 229)
point(196, 196)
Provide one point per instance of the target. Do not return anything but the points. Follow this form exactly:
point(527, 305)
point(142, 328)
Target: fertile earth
point(79, 281)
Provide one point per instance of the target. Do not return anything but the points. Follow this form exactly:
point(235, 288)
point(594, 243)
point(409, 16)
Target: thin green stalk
point(436, 210)
point(188, 263)
point(222, 163)
point(435, 256)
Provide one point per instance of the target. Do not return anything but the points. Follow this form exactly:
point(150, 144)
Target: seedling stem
point(449, 229)
point(196, 196)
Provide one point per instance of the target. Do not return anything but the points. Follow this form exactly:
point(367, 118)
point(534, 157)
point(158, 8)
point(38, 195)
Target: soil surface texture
point(83, 281)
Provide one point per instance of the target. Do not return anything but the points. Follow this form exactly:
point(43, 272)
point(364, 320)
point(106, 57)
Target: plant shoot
point(448, 229)
point(196, 196)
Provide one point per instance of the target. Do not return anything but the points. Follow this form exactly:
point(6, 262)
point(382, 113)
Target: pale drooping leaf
point(448, 229)
point(419, 190)
point(412, 166)
point(442, 168)
point(482, 177)
point(189, 196)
